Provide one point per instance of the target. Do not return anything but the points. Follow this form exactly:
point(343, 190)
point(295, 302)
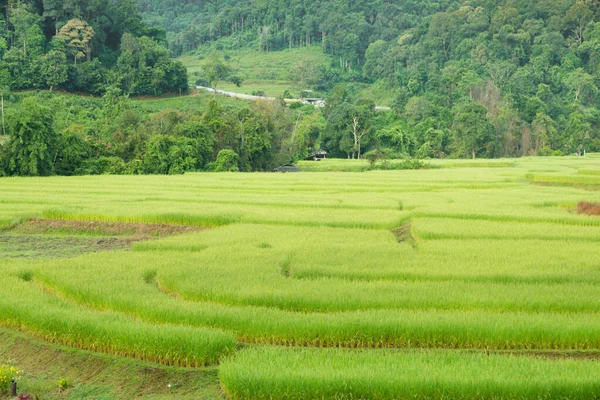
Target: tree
point(306, 74)
point(169, 155)
point(54, 68)
point(25, 21)
point(215, 70)
point(542, 131)
point(472, 130)
point(77, 35)
point(227, 161)
point(53, 10)
point(33, 143)
point(362, 124)
point(577, 18)
point(373, 156)
point(580, 84)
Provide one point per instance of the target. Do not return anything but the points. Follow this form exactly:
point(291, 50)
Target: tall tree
point(33, 141)
point(77, 35)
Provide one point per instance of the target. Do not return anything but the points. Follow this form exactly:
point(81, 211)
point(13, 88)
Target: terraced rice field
point(475, 280)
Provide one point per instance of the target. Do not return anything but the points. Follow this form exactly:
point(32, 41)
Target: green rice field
point(476, 280)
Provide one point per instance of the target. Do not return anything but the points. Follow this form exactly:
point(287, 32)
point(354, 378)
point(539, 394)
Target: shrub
point(373, 156)
point(26, 276)
point(227, 161)
point(64, 384)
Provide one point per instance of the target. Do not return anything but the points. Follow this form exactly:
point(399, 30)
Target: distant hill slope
point(501, 77)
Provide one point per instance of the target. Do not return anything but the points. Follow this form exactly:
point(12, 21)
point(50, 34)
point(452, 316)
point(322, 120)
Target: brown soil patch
point(59, 239)
point(588, 208)
point(134, 231)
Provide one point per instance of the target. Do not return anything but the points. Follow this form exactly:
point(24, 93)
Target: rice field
point(475, 280)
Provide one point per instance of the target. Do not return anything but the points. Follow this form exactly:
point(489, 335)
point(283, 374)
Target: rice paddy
point(479, 279)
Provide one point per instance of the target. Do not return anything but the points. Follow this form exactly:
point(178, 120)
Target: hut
point(317, 155)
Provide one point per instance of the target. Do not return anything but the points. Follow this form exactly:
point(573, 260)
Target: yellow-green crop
point(488, 256)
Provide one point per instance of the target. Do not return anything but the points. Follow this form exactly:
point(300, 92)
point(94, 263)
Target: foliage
point(40, 34)
point(440, 60)
point(33, 142)
point(77, 35)
point(63, 384)
point(373, 156)
point(227, 161)
point(8, 373)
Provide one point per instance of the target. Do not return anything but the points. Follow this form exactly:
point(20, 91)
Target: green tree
point(577, 18)
point(215, 70)
point(580, 84)
point(169, 155)
point(77, 35)
point(54, 69)
point(472, 130)
point(33, 141)
point(227, 161)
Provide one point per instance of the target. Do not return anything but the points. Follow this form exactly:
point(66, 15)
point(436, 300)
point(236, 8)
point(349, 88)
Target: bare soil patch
point(38, 238)
point(46, 226)
point(588, 208)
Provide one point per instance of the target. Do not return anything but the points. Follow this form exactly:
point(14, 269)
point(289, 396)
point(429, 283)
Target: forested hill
point(89, 46)
point(521, 75)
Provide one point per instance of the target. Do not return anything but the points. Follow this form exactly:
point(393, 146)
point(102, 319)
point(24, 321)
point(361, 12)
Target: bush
point(63, 384)
point(373, 156)
point(406, 164)
point(236, 80)
point(227, 161)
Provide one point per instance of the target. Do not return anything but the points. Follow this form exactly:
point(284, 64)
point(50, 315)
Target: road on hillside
point(250, 97)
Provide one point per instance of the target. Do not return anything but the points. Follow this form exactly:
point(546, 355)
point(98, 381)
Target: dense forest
point(486, 78)
point(479, 78)
point(84, 46)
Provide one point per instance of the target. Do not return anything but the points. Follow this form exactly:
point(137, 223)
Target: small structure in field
point(287, 168)
point(314, 101)
point(317, 156)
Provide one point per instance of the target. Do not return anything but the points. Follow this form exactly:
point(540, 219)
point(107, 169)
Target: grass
point(272, 73)
point(267, 72)
point(412, 267)
point(94, 375)
point(274, 373)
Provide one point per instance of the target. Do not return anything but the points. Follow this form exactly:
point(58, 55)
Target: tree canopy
point(39, 36)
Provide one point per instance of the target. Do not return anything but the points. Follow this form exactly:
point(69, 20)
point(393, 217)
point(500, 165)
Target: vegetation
point(473, 255)
point(53, 134)
point(96, 375)
point(7, 375)
point(277, 373)
point(479, 78)
point(84, 47)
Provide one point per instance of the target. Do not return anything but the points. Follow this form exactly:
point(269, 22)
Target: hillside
point(491, 78)
point(476, 79)
point(272, 73)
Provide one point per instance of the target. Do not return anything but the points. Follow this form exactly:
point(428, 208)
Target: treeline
point(84, 46)
point(53, 134)
point(476, 78)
